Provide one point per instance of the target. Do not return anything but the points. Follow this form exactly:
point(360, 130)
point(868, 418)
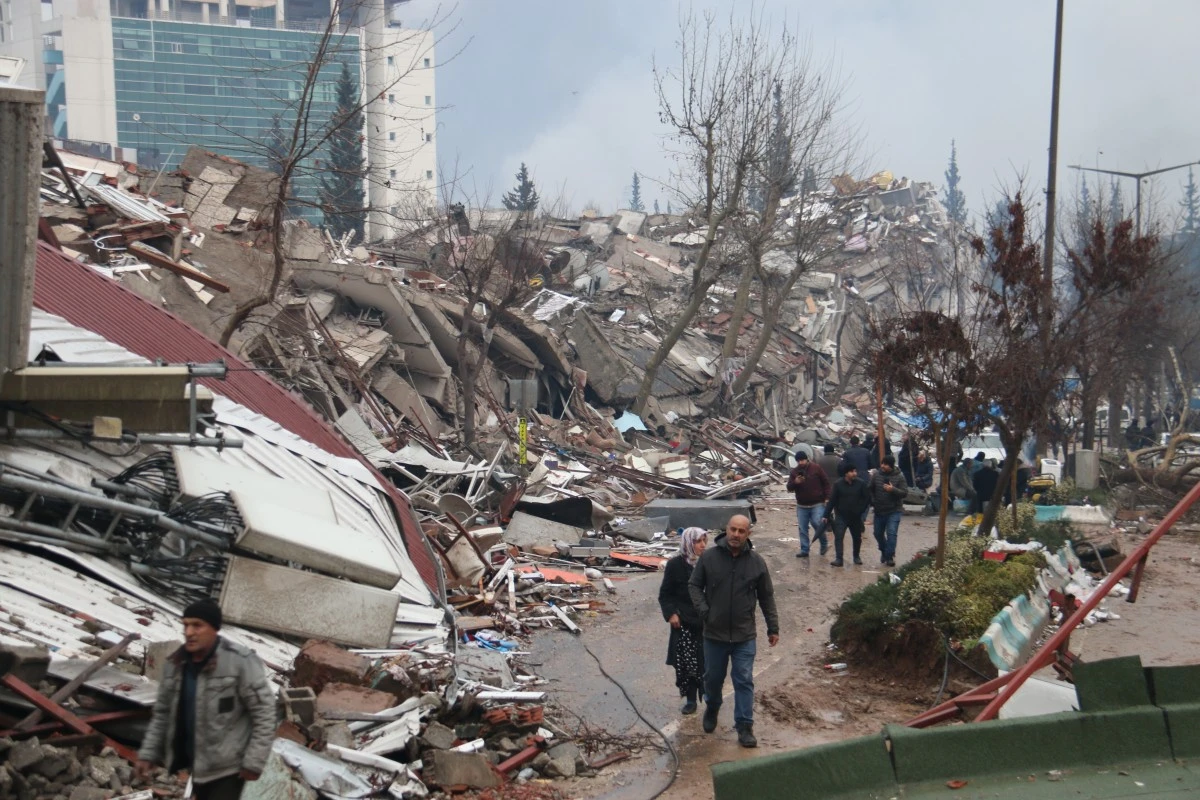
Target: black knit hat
point(207, 610)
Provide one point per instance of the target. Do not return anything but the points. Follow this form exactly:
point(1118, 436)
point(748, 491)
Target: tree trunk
point(1006, 475)
point(1087, 405)
point(943, 442)
point(770, 318)
point(468, 375)
point(740, 301)
point(1116, 399)
point(668, 343)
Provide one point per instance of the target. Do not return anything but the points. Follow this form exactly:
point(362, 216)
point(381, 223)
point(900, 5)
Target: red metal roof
point(84, 297)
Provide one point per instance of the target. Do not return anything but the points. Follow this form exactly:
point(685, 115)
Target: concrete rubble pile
point(531, 525)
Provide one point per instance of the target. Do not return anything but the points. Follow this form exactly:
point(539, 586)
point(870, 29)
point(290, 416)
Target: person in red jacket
point(811, 486)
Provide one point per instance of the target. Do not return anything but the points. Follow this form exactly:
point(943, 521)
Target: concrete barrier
point(1010, 637)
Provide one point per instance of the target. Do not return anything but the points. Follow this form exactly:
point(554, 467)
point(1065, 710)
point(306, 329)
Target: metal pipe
point(125, 489)
point(1043, 657)
point(47, 534)
point(129, 438)
point(7, 478)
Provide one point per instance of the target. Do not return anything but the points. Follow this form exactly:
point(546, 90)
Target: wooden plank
point(58, 712)
point(69, 688)
point(163, 260)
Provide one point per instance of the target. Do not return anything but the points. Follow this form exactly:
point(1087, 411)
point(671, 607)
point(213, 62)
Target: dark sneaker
point(824, 548)
point(837, 562)
point(890, 562)
point(802, 554)
point(689, 708)
point(710, 718)
point(746, 736)
point(858, 561)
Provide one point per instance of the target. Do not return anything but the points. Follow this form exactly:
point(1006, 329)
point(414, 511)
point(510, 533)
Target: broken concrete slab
point(473, 770)
point(438, 736)
point(484, 666)
point(527, 531)
point(643, 530)
point(321, 662)
point(708, 514)
point(30, 664)
point(356, 699)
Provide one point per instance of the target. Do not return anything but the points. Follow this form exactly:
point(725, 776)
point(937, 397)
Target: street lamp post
point(1139, 177)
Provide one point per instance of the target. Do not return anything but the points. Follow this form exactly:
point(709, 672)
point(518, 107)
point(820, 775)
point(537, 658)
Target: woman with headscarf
point(685, 649)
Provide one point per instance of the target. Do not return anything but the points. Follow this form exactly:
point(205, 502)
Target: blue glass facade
point(224, 88)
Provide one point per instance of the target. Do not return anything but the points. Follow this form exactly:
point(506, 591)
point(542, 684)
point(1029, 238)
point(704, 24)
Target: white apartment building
point(155, 76)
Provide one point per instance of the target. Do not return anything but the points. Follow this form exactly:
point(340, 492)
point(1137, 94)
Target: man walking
point(215, 712)
point(847, 506)
point(857, 455)
point(829, 461)
point(728, 581)
point(887, 489)
point(811, 486)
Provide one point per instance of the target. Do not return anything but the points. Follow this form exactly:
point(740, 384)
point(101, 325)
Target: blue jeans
point(815, 516)
point(886, 528)
point(717, 656)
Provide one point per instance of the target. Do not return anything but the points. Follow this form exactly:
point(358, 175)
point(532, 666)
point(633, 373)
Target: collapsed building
point(312, 475)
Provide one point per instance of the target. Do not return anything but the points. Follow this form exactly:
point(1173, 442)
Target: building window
point(429, 137)
point(392, 174)
point(429, 174)
point(428, 63)
point(391, 136)
point(391, 61)
point(428, 100)
point(391, 99)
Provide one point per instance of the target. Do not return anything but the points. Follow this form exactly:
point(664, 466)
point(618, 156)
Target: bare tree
point(1033, 337)
point(717, 102)
point(297, 147)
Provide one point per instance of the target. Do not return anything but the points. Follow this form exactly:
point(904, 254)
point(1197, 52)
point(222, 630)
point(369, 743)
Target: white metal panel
point(301, 603)
point(293, 535)
point(199, 476)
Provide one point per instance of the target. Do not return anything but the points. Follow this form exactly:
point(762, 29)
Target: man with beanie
point(887, 489)
point(215, 712)
point(829, 461)
point(811, 486)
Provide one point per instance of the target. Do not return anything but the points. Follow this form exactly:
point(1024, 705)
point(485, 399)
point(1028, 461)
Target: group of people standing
point(864, 482)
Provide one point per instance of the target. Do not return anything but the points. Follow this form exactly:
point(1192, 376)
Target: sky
point(566, 87)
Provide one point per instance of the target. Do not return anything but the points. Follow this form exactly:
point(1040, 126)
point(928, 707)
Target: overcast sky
point(566, 87)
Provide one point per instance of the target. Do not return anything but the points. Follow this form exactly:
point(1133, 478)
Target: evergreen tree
point(1191, 206)
point(524, 196)
point(635, 195)
point(781, 172)
point(276, 145)
point(956, 202)
point(656, 211)
point(1116, 205)
point(343, 199)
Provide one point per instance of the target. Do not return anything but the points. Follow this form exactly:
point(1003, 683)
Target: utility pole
point(1052, 169)
point(1139, 177)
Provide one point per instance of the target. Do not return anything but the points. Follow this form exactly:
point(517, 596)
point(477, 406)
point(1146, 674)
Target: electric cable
point(642, 717)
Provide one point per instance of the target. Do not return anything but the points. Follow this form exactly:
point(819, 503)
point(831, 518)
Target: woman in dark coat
point(685, 650)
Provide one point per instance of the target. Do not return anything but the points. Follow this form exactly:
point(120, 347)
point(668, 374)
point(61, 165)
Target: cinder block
point(321, 662)
point(462, 769)
point(30, 664)
point(298, 704)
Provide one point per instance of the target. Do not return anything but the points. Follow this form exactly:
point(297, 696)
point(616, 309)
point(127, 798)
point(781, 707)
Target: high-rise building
point(157, 76)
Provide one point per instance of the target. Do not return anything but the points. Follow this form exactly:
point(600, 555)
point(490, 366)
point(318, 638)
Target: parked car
point(990, 444)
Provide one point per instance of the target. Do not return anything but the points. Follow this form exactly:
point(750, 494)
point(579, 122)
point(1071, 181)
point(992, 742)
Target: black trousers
point(856, 527)
point(227, 788)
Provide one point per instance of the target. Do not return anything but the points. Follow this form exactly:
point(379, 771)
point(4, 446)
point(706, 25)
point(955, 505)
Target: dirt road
point(798, 702)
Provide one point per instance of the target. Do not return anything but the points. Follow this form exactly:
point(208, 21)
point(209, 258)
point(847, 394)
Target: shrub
point(867, 613)
point(968, 616)
point(1026, 520)
point(1053, 534)
point(926, 592)
point(1060, 494)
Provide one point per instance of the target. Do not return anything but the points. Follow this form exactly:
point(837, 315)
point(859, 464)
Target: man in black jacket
point(729, 580)
point(887, 489)
point(847, 506)
point(857, 455)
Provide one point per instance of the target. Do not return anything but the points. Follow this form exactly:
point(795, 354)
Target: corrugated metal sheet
point(87, 299)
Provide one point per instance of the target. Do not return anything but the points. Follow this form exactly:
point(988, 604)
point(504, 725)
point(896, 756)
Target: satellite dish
point(137, 117)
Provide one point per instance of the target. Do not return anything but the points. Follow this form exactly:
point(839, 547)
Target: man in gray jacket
point(215, 712)
point(728, 581)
